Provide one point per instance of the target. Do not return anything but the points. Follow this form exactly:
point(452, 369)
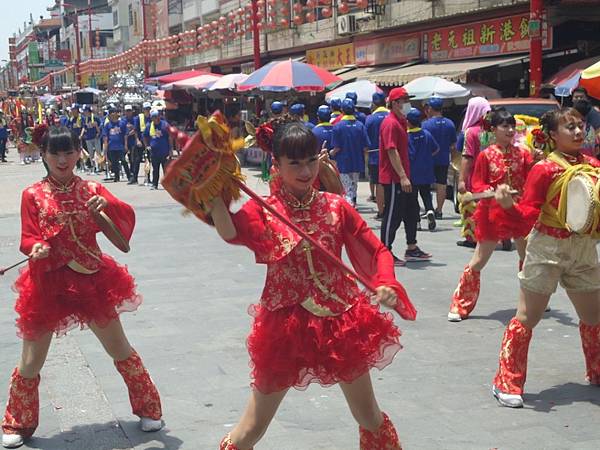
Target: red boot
point(385, 438)
point(143, 395)
point(512, 370)
point(590, 341)
point(465, 296)
point(23, 406)
point(227, 444)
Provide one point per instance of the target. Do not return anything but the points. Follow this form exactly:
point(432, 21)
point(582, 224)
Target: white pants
point(350, 183)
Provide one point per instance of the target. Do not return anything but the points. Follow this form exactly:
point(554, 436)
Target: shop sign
point(480, 39)
point(333, 57)
point(63, 55)
point(94, 80)
point(389, 50)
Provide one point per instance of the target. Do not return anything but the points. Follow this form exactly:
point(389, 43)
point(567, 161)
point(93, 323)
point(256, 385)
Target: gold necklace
point(294, 203)
point(61, 187)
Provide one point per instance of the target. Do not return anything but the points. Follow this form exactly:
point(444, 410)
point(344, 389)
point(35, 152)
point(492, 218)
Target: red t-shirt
point(392, 134)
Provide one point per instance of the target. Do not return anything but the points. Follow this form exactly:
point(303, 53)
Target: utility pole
point(145, 39)
point(535, 47)
point(78, 50)
point(90, 29)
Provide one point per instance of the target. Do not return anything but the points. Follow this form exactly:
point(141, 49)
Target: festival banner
point(388, 50)
point(333, 57)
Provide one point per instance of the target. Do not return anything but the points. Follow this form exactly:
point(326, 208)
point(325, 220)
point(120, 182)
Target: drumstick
point(6, 269)
point(470, 197)
point(305, 235)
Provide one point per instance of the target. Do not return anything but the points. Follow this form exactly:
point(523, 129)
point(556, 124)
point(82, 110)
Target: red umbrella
point(280, 76)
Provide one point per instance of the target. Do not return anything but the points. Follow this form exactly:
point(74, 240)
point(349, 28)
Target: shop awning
point(454, 71)
point(178, 76)
point(357, 73)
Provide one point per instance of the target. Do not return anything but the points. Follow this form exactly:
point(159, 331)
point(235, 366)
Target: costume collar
point(59, 186)
point(348, 117)
point(324, 124)
point(293, 202)
point(381, 109)
point(414, 129)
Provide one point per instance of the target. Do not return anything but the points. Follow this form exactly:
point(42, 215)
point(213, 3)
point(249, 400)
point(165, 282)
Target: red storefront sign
point(480, 39)
point(63, 55)
point(388, 50)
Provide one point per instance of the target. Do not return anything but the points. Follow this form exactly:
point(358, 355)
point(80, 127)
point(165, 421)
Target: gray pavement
point(191, 333)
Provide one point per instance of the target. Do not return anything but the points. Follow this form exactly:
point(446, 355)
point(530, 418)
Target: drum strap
point(556, 217)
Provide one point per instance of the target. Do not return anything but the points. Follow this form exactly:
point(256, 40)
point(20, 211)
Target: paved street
point(191, 333)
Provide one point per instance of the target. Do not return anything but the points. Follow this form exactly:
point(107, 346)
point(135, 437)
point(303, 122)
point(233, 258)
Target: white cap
point(128, 108)
point(147, 105)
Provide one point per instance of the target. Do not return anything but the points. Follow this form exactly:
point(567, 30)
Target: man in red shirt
point(401, 204)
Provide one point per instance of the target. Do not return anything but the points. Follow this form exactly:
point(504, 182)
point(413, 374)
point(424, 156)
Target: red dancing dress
point(77, 283)
point(313, 324)
point(495, 166)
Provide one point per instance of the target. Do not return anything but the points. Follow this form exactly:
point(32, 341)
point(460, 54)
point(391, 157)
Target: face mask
point(406, 108)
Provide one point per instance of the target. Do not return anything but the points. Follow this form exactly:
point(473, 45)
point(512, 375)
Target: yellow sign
point(101, 79)
point(333, 57)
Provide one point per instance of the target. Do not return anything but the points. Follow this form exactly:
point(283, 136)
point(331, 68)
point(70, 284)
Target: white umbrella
point(426, 87)
point(364, 90)
point(229, 81)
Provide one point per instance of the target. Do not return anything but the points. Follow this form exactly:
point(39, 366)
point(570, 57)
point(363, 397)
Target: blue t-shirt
point(63, 120)
point(444, 133)
point(421, 146)
point(89, 125)
point(309, 125)
point(3, 129)
point(75, 124)
point(115, 133)
point(352, 139)
point(460, 142)
point(159, 143)
point(361, 117)
point(130, 124)
point(373, 124)
point(323, 133)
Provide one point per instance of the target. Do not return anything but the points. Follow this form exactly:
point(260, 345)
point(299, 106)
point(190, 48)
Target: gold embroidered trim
point(77, 267)
point(80, 244)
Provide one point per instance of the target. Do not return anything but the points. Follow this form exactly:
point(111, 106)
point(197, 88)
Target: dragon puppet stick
point(6, 269)
point(208, 167)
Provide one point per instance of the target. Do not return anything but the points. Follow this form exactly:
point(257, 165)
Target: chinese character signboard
point(331, 58)
point(387, 50)
point(476, 40)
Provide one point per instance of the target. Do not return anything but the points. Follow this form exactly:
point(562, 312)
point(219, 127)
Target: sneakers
point(508, 400)
point(154, 188)
point(132, 182)
point(148, 425)
point(438, 215)
point(431, 220)
point(378, 217)
point(467, 243)
point(12, 440)
point(398, 262)
point(416, 254)
point(454, 317)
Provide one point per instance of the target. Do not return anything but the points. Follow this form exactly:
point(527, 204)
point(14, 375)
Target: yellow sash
point(152, 129)
point(142, 122)
point(348, 117)
point(556, 218)
point(381, 109)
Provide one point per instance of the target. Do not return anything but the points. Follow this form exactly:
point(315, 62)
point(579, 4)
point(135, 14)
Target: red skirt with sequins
point(291, 347)
point(60, 300)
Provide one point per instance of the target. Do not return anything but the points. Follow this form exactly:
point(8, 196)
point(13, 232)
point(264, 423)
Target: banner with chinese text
point(389, 50)
point(333, 57)
point(489, 38)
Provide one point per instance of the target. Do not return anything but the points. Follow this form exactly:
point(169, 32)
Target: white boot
point(12, 440)
point(148, 424)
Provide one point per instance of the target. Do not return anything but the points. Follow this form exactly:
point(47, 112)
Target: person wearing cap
point(297, 112)
point(361, 116)
point(444, 132)
point(350, 142)
point(114, 143)
point(373, 124)
point(90, 133)
point(157, 137)
point(130, 137)
point(400, 199)
point(276, 108)
point(422, 148)
point(75, 123)
point(141, 122)
point(335, 103)
point(323, 129)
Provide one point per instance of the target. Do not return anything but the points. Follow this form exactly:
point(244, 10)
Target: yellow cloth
point(381, 109)
point(142, 122)
point(556, 217)
point(152, 129)
point(348, 117)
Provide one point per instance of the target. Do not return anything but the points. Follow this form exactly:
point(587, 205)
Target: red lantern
point(260, 4)
point(310, 4)
point(240, 11)
point(297, 7)
point(214, 24)
point(272, 12)
point(326, 12)
point(231, 15)
point(310, 17)
point(260, 26)
point(343, 8)
point(285, 11)
point(362, 4)
point(259, 15)
point(222, 20)
point(284, 23)
point(298, 20)
point(272, 2)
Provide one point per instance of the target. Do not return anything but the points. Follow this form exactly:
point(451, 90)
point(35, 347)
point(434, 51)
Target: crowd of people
point(313, 324)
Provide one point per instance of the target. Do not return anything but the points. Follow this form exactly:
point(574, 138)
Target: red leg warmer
point(512, 370)
point(466, 294)
point(590, 341)
point(143, 395)
point(23, 407)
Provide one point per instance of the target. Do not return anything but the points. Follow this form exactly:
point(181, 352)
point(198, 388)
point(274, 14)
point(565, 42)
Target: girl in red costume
point(554, 254)
point(500, 163)
point(70, 283)
point(313, 324)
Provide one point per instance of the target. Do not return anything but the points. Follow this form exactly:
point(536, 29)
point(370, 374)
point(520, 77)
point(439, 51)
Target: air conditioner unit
point(347, 24)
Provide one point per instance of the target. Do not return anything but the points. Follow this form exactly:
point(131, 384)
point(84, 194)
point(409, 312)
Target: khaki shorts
point(572, 261)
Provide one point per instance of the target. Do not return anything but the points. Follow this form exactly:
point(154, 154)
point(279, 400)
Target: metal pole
point(535, 47)
point(78, 50)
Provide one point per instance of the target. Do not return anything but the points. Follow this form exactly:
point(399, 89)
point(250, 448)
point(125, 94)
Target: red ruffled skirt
point(493, 224)
point(291, 347)
point(62, 299)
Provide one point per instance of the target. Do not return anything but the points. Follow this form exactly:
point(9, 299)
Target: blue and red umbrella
point(280, 76)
